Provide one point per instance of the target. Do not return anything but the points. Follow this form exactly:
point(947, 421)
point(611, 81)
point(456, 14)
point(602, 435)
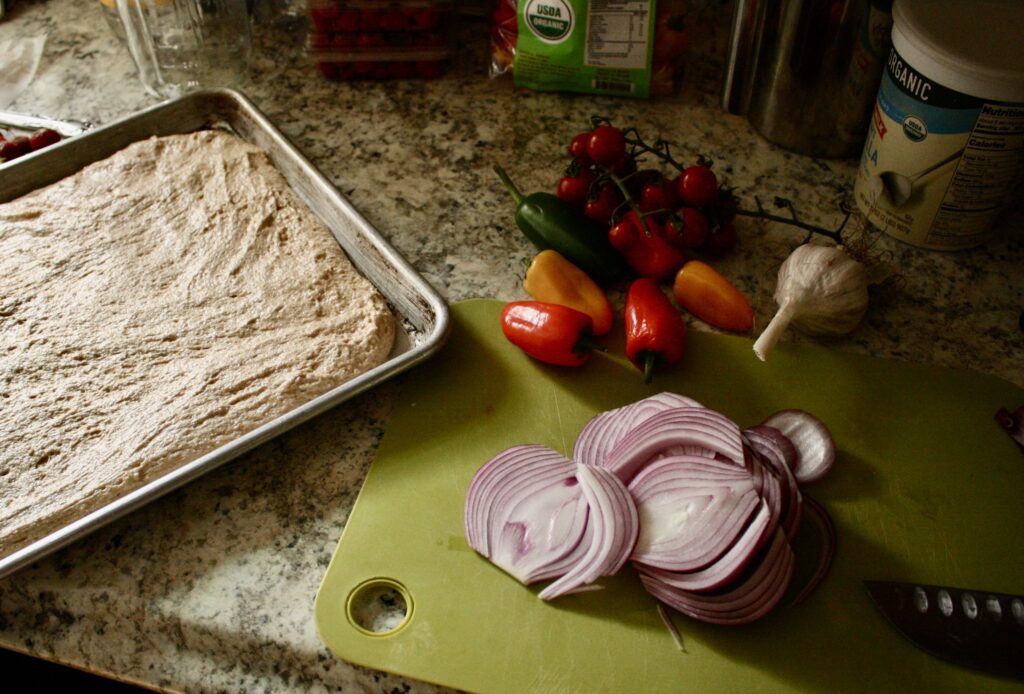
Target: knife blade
point(977, 629)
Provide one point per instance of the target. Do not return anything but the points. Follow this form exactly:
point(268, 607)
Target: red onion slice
point(525, 511)
point(692, 510)
point(820, 530)
point(728, 566)
point(746, 601)
point(681, 426)
point(614, 522)
point(812, 439)
point(771, 491)
point(494, 475)
point(600, 435)
point(521, 473)
point(771, 438)
point(765, 450)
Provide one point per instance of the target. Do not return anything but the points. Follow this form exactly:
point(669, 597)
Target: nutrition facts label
point(990, 166)
point(617, 33)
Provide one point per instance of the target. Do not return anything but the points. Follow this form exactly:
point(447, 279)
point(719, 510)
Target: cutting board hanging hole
point(379, 607)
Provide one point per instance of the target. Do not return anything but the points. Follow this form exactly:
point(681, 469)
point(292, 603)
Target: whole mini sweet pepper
point(655, 331)
point(550, 333)
point(646, 250)
point(705, 293)
point(554, 279)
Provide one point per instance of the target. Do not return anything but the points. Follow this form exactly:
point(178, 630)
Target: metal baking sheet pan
point(23, 123)
point(422, 315)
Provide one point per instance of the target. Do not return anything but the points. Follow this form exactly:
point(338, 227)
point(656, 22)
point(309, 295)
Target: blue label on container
point(922, 105)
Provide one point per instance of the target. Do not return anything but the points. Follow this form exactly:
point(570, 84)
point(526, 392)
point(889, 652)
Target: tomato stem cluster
point(662, 150)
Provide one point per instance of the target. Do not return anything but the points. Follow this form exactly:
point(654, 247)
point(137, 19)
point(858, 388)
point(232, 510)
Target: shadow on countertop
point(26, 668)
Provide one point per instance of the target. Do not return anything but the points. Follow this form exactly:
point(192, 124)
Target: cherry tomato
point(623, 167)
point(722, 240)
point(606, 145)
point(603, 206)
point(691, 233)
point(698, 186)
point(393, 20)
point(657, 195)
point(369, 20)
point(429, 18)
point(623, 235)
point(574, 189)
point(14, 148)
point(44, 137)
point(578, 146)
point(670, 38)
point(324, 18)
point(347, 21)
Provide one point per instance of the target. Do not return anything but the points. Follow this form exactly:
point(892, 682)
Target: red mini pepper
point(655, 331)
point(550, 333)
point(646, 251)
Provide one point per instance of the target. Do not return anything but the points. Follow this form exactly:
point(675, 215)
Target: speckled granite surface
point(211, 588)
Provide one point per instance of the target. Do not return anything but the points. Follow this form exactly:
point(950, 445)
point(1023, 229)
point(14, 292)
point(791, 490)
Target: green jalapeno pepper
point(550, 223)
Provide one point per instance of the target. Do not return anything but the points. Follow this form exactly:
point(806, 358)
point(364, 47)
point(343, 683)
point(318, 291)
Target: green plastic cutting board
point(927, 488)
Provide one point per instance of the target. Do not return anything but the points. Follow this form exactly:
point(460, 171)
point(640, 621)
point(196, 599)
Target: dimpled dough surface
point(154, 306)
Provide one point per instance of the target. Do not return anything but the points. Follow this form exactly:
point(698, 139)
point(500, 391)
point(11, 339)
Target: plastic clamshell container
point(367, 39)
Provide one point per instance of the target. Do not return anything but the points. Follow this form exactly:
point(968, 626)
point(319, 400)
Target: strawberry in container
point(570, 60)
point(374, 39)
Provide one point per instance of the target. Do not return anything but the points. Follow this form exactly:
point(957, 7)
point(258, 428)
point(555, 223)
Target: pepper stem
point(586, 343)
point(650, 363)
point(509, 185)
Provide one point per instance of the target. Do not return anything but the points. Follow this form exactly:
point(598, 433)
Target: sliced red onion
point(765, 450)
point(525, 511)
point(681, 426)
point(1012, 423)
point(770, 489)
point(615, 524)
point(515, 475)
point(770, 437)
point(818, 519)
point(728, 566)
point(812, 439)
point(494, 475)
point(749, 599)
point(600, 435)
point(692, 510)
point(708, 517)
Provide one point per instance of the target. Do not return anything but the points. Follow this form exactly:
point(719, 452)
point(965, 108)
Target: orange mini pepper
point(704, 292)
point(554, 279)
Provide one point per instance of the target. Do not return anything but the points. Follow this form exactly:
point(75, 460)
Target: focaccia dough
point(155, 306)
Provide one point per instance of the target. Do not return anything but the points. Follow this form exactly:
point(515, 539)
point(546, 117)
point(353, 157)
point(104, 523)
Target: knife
point(973, 628)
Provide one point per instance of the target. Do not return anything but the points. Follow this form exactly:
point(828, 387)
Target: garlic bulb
point(821, 290)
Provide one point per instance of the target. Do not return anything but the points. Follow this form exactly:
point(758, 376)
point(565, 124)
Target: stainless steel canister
point(805, 72)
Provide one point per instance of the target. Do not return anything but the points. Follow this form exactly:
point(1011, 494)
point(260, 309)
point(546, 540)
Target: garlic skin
point(821, 290)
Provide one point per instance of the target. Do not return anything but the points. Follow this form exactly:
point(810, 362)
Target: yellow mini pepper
point(554, 279)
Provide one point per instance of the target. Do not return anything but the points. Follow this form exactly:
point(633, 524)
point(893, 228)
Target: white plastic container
point(945, 151)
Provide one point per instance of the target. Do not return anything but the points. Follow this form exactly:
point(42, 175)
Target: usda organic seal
point(550, 21)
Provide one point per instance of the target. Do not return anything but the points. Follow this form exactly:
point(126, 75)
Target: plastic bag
point(627, 48)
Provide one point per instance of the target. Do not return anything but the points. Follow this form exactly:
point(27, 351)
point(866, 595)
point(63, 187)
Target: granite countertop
point(212, 586)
